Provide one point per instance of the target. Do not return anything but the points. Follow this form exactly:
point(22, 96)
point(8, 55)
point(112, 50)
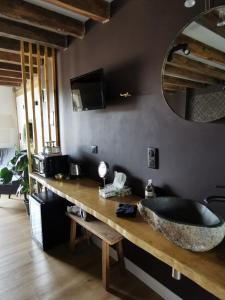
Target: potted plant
point(18, 167)
point(6, 176)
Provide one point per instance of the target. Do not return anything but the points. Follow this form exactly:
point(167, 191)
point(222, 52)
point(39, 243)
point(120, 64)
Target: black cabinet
point(49, 224)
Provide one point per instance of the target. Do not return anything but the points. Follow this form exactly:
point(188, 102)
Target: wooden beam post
point(24, 80)
point(33, 99)
point(55, 96)
point(27, 13)
point(47, 93)
point(32, 34)
point(98, 10)
point(40, 94)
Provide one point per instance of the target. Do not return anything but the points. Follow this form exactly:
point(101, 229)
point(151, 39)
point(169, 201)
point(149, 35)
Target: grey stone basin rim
point(148, 203)
point(187, 223)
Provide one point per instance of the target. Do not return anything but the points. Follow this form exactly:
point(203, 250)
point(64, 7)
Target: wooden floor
point(27, 273)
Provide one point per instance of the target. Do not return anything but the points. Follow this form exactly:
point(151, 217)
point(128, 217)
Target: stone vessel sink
point(186, 223)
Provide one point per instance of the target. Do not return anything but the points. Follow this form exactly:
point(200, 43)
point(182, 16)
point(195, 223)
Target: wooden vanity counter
point(206, 269)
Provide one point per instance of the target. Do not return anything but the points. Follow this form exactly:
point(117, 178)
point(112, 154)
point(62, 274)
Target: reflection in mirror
point(193, 76)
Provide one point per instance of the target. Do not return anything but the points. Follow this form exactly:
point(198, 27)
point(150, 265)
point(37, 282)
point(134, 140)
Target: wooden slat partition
point(55, 96)
point(40, 95)
point(44, 72)
point(33, 99)
point(47, 93)
point(13, 46)
point(24, 83)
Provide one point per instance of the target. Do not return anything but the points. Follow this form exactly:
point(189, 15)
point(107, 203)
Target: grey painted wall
point(131, 49)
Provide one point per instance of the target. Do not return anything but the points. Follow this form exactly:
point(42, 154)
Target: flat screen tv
point(88, 91)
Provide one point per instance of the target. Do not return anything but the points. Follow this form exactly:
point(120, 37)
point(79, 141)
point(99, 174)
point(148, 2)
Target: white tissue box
point(110, 191)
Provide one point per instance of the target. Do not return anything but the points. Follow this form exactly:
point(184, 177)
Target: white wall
point(8, 118)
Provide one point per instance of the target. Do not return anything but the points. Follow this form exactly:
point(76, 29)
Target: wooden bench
point(108, 236)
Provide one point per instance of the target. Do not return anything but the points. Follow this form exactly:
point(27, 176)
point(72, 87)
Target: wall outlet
point(94, 149)
point(153, 158)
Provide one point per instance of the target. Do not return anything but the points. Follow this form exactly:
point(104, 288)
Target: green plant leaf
point(19, 165)
point(6, 175)
point(22, 163)
point(23, 188)
point(15, 158)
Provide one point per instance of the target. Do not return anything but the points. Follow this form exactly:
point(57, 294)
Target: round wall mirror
point(193, 75)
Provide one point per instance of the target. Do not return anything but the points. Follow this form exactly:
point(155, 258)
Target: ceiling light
point(186, 51)
point(189, 3)
point(183, 47)
point(221, 21)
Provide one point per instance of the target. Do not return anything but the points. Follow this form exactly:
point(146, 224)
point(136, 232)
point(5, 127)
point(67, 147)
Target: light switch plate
point(153, 158)
point(94, 149)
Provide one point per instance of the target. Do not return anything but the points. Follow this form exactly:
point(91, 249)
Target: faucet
point(210, 199)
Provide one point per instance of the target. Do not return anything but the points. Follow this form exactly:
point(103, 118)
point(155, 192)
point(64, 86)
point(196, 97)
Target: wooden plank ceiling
point(50, 23)
point(203, 65)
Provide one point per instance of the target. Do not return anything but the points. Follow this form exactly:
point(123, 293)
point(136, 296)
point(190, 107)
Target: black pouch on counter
point(126, 210)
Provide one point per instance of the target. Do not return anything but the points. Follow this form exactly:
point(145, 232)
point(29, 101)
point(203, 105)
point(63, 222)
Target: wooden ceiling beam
point(13, 46)
point(10, 74)
point(12, 67)
point(14, 58)
point(184, 62)
point(182, 82)
point(210, 21)
point(98, 10)
point(190, 75)
point(6, 79)
point(24, 12)
point(202, 50)
point(173, 88)
point(31, 34)
point(12, 84)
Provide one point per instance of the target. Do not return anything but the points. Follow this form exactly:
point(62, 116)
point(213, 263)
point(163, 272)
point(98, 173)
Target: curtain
point(6, 154)
point(8, 131)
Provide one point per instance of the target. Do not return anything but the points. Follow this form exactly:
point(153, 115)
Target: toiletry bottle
point(149, 190)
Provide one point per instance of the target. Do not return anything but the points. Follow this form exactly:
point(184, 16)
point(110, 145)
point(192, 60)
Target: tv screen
point(88, 91)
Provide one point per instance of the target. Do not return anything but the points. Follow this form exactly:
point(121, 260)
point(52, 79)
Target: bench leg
point(105, 264)
point(88, 237)
point(119, 248)
point(39, 187)
point(73, 233)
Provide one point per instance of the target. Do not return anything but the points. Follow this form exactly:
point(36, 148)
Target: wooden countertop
point(206, 269)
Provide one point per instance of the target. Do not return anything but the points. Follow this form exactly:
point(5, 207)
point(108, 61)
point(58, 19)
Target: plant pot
point(26, 202)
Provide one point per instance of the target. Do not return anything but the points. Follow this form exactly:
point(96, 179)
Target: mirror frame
point(170, 46)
